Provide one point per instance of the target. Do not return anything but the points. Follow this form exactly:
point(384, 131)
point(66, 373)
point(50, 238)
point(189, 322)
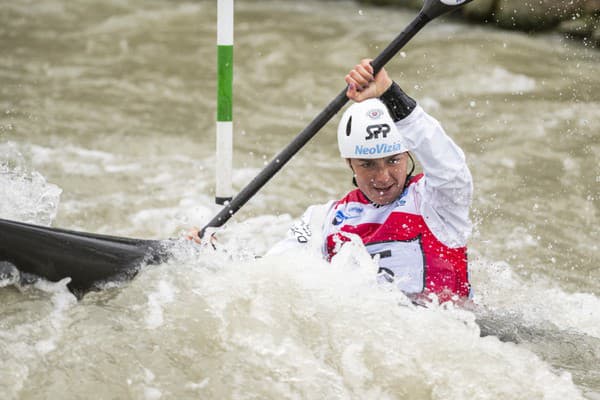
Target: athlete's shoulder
point(306, 231)
point(354, 196)
point(415, 179)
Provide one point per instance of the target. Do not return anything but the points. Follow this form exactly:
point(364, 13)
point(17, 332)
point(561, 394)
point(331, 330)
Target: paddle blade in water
point(87, 258)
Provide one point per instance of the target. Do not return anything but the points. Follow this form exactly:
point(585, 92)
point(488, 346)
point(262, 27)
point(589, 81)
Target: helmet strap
point(409, 175)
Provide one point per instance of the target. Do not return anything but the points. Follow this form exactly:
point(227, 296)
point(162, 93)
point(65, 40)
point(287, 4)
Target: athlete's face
point(380, 179)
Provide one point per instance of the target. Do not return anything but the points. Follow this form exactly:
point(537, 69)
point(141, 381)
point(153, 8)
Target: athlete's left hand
point(194, 235)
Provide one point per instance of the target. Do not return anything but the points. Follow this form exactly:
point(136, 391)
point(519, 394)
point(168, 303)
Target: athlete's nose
point(381, 178)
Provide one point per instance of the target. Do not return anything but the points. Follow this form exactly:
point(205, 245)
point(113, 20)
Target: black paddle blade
point(88, 259)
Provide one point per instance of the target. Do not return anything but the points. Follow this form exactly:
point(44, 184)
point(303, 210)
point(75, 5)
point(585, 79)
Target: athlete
point(415, 226)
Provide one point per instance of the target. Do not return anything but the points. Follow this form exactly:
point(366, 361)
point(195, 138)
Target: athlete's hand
point(194, 234)
point(363, 85)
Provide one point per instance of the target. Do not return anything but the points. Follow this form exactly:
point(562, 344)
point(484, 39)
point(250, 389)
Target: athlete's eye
point(395, 160)
point(366, 164)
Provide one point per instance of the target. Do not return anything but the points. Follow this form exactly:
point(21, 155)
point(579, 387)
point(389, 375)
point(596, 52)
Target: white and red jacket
point(420, 238)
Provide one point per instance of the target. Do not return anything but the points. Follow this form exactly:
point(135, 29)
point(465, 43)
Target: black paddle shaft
point(430, 10)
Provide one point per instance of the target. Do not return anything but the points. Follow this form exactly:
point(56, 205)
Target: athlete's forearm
point(446, 191)
point(442, 160)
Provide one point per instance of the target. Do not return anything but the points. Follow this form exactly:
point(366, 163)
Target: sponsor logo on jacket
point(340, 217)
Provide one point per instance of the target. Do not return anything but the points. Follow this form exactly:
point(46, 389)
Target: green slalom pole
point(224, 190)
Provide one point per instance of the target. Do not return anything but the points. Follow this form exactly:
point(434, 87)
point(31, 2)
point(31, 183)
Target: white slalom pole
point(224, 190)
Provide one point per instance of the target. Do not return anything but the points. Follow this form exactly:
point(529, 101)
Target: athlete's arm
point(446, 191)
point(447, 188)
point(306, 232)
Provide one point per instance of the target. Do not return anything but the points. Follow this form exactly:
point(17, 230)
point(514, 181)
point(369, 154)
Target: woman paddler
point(416, 226)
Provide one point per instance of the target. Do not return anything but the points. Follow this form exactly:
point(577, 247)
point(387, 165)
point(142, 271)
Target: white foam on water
point(137, 17)
point(151, 393)
point(242, 239)
point(497, 285)
point(28, 339)
point(77, 160)
point(143, 386)
point(72, 151)
point(309, 328)
point(27, 196)
point(163, 295)
point(9, 275)
point(198, 386)
point(167, 221)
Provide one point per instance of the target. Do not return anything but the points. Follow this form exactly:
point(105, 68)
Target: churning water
point(107, 125)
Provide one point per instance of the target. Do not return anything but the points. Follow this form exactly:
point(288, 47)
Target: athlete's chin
point(384, 202)
point(385, 199)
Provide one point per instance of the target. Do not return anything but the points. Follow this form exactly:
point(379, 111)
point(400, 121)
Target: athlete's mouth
point(382, 191)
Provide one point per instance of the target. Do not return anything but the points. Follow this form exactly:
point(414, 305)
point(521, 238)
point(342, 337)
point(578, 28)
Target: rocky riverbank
point(577, 19)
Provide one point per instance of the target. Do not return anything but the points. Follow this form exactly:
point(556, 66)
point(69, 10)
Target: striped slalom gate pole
point(224, 190)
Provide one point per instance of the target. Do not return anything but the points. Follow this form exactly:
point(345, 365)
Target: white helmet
point(366, 130)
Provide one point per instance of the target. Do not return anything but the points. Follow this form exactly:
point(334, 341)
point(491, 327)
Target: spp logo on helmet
point(373, 131)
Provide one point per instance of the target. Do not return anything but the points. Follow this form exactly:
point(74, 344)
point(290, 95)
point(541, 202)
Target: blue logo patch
point(340, 216)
